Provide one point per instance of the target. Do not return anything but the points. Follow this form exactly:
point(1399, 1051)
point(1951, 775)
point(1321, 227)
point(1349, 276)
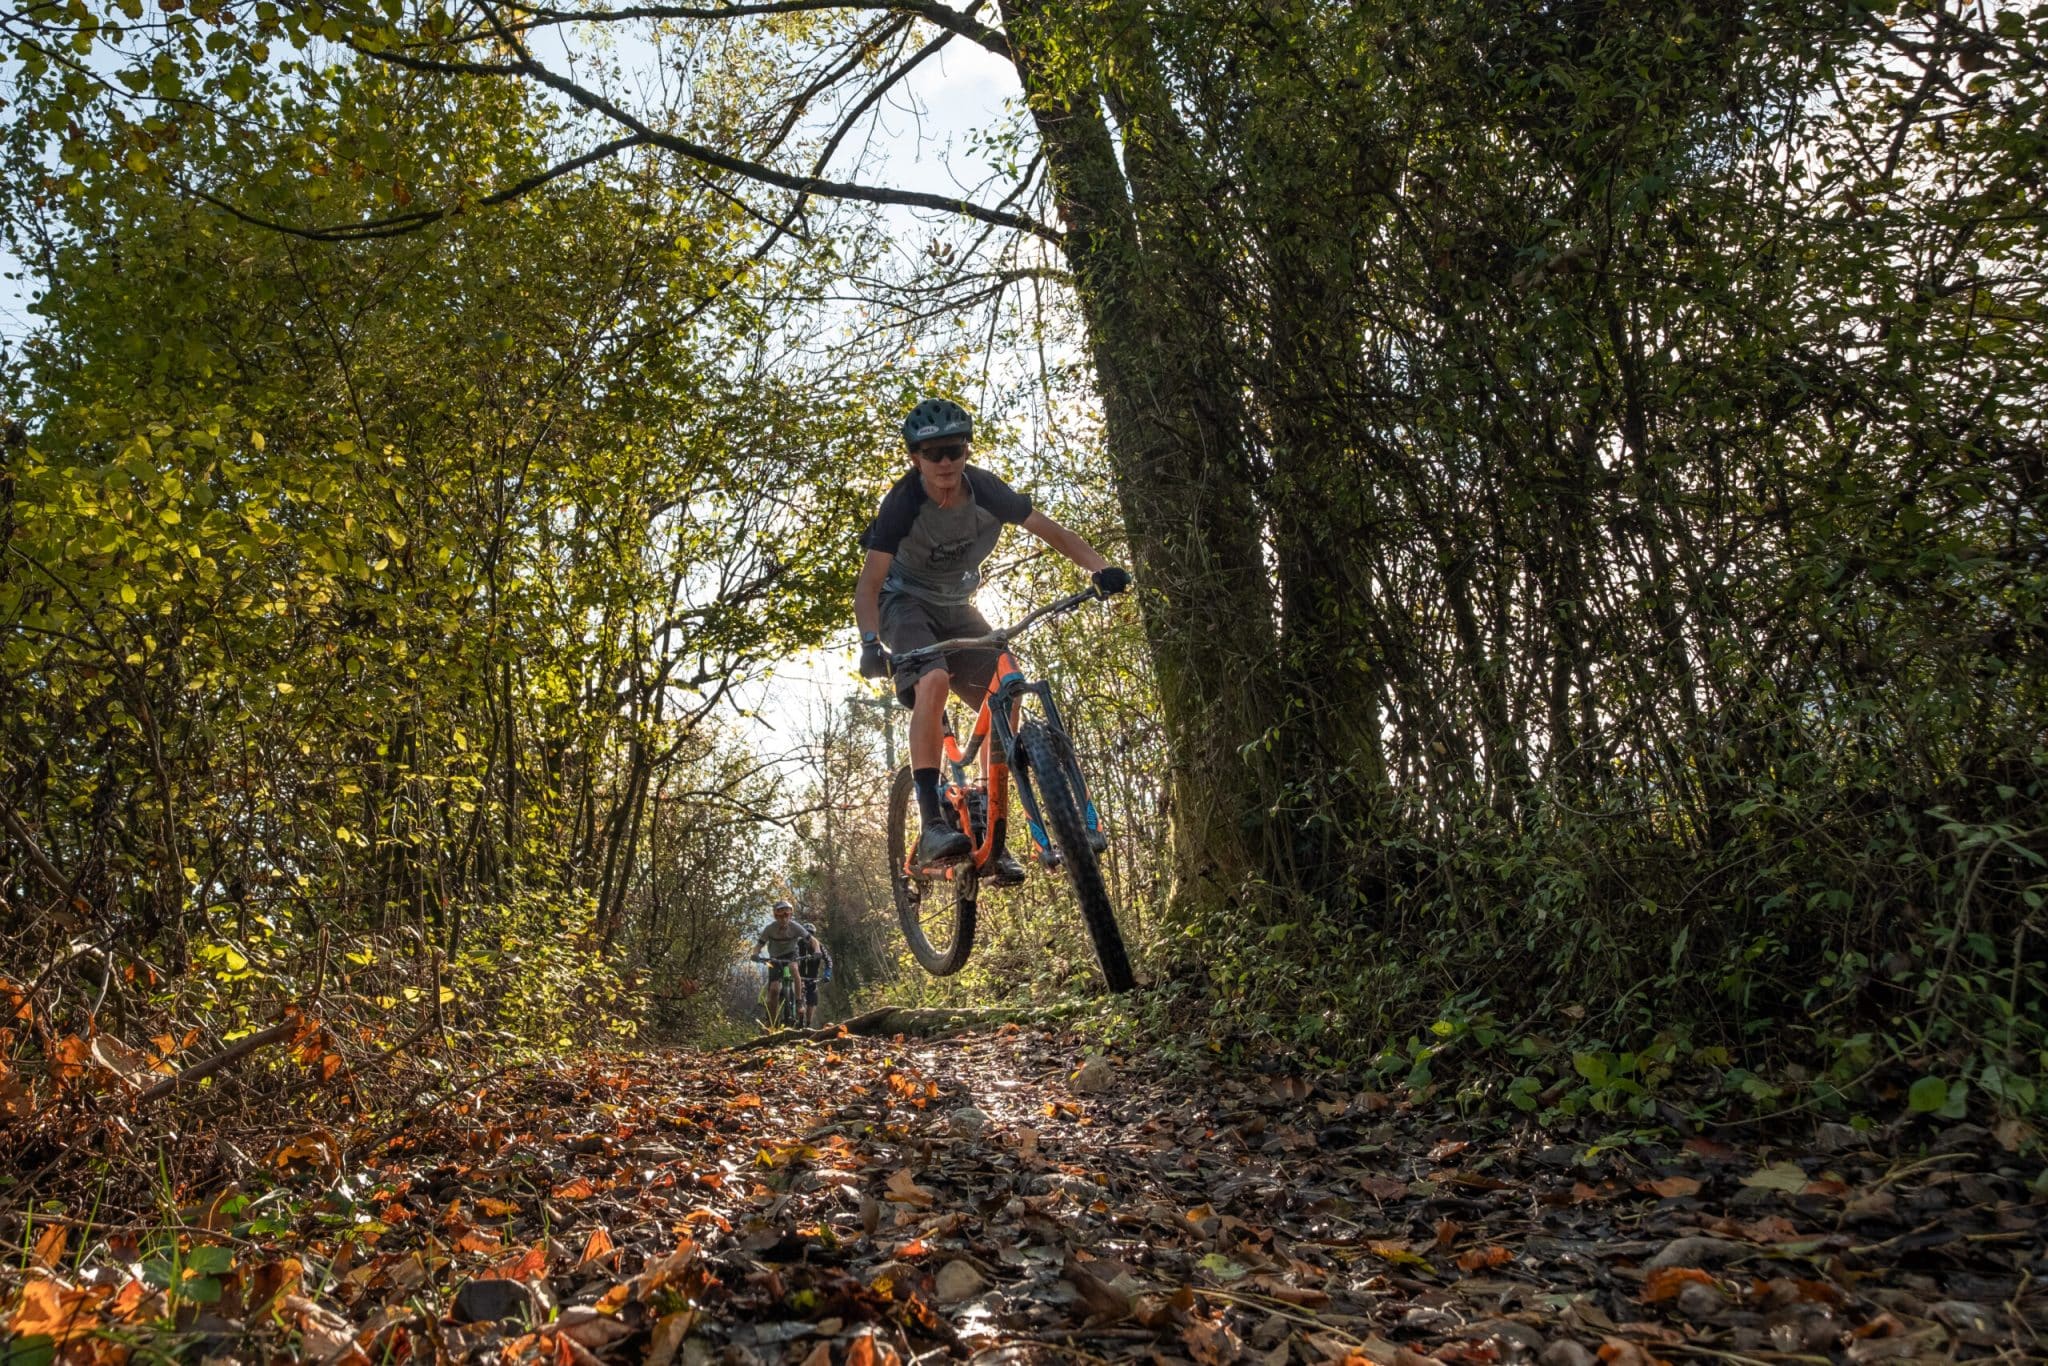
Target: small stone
point(1696, 1252)
point(1973, 1323)
point(967, 1122)
point(1835, 1137)
point(1565, 1352)
point(957, 1281)
point(1509, 1331)
point(488, 1299)
point(1092, 1076)
point(1697, 1301)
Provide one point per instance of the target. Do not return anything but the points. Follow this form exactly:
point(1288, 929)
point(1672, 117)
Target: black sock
point(927, 780)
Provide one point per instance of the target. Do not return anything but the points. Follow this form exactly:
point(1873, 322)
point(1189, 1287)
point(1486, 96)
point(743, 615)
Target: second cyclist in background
point(782, 944)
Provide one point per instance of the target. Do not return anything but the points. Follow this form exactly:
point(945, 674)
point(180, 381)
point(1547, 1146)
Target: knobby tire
point(940, 960)
point(1059, 803)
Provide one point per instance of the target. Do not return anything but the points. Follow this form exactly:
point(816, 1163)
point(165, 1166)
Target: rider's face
point(783, 913)
point(942, 474)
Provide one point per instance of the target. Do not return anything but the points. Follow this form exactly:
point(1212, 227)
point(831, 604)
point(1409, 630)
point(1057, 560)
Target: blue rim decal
point(1039, 835)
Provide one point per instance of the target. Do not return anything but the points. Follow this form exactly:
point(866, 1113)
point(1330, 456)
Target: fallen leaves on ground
point(877, 1203)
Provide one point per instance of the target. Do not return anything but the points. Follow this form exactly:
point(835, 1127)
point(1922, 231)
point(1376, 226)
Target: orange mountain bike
point(1032, 753)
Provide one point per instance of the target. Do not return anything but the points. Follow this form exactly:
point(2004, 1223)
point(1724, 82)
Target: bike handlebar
point(1000, 638)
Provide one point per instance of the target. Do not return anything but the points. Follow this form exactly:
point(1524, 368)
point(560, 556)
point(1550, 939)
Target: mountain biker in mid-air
point(925, 548)
point(786, 940)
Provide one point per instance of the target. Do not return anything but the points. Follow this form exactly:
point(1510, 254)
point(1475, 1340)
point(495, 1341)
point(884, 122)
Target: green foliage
point(393, 580)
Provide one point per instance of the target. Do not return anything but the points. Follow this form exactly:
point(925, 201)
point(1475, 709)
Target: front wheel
point(1060, 803)
point(937, 917)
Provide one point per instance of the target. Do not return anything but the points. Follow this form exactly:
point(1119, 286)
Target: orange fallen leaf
point(1480, 1258)
point(1622, 1352)
point(49, 1248)
point(865, 1351)
point(478, 1243)
point(745, 1102)
point(1447, 1232)
point(1671, 1187)
point(578, 1189)
point(524, 1267)
point(1666, 1281)
point(598, 1247)
point(916, 1247)
point(53, 1310)
point(496, 1208)
point(1448, 1149)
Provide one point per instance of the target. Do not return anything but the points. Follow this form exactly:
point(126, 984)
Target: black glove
point(874, 660)
point(1110, 580)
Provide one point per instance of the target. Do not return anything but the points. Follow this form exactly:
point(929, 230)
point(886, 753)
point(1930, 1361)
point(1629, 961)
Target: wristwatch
point(870, 638)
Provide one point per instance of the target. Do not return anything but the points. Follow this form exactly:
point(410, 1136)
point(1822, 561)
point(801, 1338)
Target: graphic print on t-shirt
point(949, 553)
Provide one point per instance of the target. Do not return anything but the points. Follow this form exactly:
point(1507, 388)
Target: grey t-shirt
point(939, 551)
point(783, 940)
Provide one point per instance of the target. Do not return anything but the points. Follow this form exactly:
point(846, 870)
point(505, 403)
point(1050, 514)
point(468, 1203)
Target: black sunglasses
point(956, 450)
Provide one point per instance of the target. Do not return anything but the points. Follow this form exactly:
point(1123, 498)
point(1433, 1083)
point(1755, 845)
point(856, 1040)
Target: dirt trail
point(863, 1202)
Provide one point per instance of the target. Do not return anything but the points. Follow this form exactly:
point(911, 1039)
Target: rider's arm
point(1061, 539)
point(867, 593)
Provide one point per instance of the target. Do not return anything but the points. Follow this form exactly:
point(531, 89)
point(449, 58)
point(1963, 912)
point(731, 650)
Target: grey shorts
point(911, 623)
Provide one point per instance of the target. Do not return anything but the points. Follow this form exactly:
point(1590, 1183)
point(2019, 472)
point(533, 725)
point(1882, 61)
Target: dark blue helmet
point(934, 419)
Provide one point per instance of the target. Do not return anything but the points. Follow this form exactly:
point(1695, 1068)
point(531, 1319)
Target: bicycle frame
point(996, 725)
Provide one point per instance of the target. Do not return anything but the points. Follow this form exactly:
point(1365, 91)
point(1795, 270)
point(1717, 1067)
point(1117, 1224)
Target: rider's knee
point(933, 687)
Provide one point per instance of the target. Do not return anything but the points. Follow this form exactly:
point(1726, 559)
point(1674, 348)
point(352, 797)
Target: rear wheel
point(1060, 803)
point(937, 916)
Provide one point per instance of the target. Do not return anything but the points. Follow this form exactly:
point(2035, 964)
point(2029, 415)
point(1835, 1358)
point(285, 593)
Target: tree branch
point(710, 156)
point(412, 222)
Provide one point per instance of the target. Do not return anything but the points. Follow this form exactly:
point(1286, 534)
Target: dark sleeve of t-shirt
point(892, 521)
point(999, 498)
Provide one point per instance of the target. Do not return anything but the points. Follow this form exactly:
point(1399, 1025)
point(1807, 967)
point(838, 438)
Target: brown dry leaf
point(668, 1337)
point(1383, 1187)
point(1666, 1281)
point(1447, 1232)
point(1103, 1301)
point(273, 1279)
point(578, 1189)
point(904, 1190)
point(15, 1100)
point(1622, 1352)
point(1481, 1258)
point(495, 1207)
point(50, 1244)
point(70, 1059)
point(478, 1243)
point(744, 1103)
point(1398, 1253)
point(1448, 1149)
point(325, 1334)
point(1211, 1344)
point(1671, 1187)
point(1274, 1288)
point(1772, 1228)
point(53, 1310)
point(820, 1355)
point(130, 1066)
